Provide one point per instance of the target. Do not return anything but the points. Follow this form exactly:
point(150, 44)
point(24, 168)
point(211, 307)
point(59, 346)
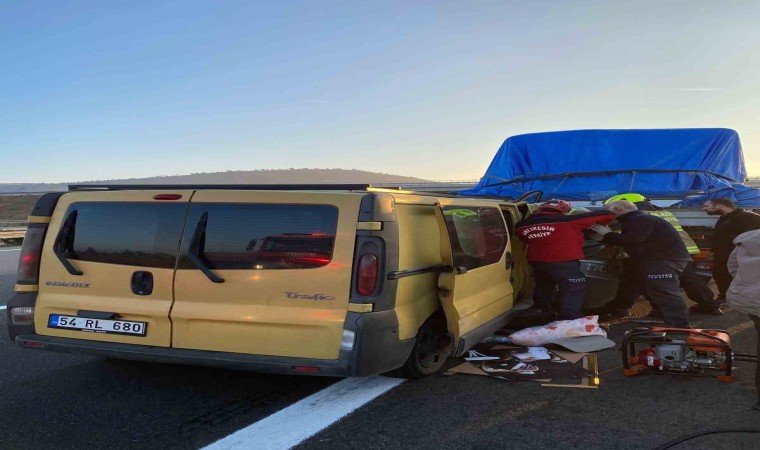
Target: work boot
point(655, 316)
point(704, 309)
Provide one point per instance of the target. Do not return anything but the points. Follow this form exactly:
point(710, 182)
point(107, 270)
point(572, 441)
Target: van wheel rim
point(429, 348)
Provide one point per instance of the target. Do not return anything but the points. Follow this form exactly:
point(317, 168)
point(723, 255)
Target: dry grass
point(16, 207)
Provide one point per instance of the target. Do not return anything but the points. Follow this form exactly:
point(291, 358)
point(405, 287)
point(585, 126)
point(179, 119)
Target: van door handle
point(142, 283)
point(461, 269)
point(196, 249)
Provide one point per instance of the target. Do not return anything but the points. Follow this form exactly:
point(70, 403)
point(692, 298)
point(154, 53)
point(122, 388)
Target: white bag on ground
point(561, 329)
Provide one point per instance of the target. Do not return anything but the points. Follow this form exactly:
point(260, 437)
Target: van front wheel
point(430, 351)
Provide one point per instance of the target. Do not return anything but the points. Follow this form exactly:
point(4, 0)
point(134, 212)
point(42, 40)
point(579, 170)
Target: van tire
point(430, 351)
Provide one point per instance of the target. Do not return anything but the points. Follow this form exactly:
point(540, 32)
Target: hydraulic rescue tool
point(686, 351)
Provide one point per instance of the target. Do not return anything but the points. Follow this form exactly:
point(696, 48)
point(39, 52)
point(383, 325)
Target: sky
point(94, 90)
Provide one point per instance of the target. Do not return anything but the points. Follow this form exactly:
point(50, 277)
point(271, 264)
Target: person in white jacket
point(744, 292)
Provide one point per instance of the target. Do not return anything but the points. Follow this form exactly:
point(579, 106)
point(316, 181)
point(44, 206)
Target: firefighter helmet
point(630, 196)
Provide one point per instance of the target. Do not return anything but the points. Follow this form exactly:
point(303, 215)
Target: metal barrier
point(5, 224)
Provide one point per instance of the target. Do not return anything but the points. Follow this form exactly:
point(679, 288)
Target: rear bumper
point(377, 350)
point(257, 363)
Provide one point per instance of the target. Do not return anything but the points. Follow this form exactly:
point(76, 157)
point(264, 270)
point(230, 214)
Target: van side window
point(126, 233)
point(256, 236)
point(478, 235)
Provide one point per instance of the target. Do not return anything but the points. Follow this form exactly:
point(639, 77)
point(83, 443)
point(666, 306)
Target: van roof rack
point(271, 187)
point(251, 187)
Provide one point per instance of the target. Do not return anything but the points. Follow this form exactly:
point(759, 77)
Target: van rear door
point(265, 273)
point(108, 266)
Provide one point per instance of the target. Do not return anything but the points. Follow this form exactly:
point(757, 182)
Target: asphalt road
point(60, 401)
point(643, 412)
point(57, 401)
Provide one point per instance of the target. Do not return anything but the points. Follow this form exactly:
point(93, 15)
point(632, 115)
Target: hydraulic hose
point(704, 433)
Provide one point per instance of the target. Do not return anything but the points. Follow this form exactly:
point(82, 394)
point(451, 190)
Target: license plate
point(98, 325)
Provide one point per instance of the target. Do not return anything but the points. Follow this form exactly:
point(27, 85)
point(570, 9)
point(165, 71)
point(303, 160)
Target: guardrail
point(12, 232)
point(4, 224)
point(9, 238)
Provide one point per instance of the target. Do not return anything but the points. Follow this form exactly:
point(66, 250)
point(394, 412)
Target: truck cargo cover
point(597, 164)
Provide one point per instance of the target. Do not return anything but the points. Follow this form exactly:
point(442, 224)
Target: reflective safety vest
point(691, 246)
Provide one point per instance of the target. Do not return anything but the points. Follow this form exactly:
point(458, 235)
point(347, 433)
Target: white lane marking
point(10, 250)
point(2, 307)
point(299, 421)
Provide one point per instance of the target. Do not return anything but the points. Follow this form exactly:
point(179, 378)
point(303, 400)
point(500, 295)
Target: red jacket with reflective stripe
point(555, 237)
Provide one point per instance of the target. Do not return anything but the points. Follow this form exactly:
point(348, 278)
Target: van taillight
point(31, 251)
point(367, 279)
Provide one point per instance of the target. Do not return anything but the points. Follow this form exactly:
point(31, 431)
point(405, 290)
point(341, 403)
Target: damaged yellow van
point(321, 280)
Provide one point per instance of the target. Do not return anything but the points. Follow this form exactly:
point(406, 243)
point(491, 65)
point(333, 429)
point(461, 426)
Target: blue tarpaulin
point(597, 164)
point(744, 196)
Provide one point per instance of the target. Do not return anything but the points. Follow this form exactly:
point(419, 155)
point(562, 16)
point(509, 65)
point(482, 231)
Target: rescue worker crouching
point(658, 255)
point(630, 288)
point(555, 248)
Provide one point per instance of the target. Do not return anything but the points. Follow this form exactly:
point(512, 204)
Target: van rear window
point(133, 234)
point(263, 236)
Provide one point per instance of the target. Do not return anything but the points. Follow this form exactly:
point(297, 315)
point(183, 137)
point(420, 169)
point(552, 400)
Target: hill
point(17, 207)
point(278, 176)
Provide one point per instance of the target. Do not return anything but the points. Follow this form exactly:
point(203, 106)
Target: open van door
point(477, 294)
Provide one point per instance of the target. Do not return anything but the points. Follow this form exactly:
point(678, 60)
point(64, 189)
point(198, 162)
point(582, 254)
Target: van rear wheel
point(430, 351)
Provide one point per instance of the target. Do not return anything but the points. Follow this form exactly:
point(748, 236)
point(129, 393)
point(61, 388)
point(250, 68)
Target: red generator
point(685, 351)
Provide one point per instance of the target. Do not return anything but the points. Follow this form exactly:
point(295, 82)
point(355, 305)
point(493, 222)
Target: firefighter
point(629, 288)
point(658, 256)
point(555, 247)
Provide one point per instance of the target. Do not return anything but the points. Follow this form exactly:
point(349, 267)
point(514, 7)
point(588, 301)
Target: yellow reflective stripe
point(691, 246)
point(360, 307)
point(369, 226)
point(27, 288)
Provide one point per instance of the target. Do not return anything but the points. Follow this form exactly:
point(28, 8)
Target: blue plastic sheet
point(597, 164)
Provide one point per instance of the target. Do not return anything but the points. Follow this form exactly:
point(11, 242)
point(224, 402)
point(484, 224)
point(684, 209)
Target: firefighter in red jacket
point(555, 248)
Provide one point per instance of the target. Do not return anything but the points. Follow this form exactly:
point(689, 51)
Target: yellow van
point(321, 280)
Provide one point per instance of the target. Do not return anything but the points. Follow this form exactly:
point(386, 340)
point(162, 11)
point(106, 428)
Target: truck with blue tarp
point(675, 168)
